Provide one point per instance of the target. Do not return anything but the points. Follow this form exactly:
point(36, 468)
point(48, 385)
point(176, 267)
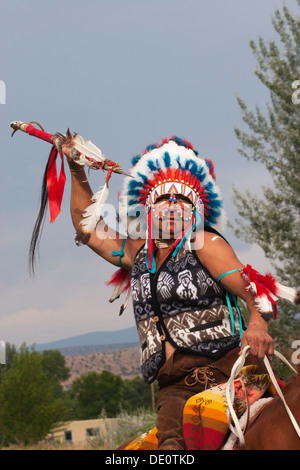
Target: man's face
point(172, 214)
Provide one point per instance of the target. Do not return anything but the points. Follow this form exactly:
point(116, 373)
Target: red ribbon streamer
point(150, 241)
point(55, 185)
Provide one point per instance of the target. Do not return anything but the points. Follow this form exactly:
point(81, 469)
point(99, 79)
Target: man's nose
point(172, 206)
point(172, 201)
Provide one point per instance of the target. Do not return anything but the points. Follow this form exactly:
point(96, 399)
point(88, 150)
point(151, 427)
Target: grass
point(125, 427)
point(48, 446)
point(115, 432)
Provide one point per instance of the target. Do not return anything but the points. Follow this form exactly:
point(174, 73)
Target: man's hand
point(259, 340)
point(74, 167)
point(66, 150)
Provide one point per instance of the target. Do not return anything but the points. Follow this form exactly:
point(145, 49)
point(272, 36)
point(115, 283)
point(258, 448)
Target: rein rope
point(230, 392)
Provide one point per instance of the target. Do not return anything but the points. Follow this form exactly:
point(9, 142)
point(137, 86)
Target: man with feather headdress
point(184, 276)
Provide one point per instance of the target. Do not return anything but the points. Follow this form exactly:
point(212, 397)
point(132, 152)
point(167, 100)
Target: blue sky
point(123, 74)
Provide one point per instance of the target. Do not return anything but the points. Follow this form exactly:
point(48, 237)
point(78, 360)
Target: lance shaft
point(106, 165)
point(31, 130)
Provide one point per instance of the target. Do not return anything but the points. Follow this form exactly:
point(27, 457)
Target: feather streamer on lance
point(83, 152)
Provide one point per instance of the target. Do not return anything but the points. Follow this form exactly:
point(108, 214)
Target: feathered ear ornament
point(266, 291)
point(121, 282)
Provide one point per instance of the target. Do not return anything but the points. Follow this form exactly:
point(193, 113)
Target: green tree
point(96, 393)
point(93, 394)
point(28, 409)
point(137, 394)
point(273, 139)
point(54, 364)
point(11, 350)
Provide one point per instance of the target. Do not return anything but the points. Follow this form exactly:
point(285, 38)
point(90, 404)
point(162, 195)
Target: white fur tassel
point(92, 213)
point(87, 149)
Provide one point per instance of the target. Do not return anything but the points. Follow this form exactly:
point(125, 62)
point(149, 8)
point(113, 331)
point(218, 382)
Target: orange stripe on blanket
point(147, 441)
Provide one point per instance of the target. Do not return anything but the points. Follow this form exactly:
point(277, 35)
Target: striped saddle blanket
point(205, 423)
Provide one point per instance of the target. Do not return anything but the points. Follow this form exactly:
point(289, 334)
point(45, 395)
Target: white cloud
point(86, 311)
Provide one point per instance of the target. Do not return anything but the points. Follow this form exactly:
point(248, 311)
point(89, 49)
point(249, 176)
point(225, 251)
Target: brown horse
point(272, 429)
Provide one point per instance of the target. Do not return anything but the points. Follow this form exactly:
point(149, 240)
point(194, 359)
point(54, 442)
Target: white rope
point(230, 392)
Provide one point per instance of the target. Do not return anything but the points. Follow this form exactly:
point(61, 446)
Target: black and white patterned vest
point(182, 304)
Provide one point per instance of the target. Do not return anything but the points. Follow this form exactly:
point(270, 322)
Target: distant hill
point(115, 351)
point(94, 348)
point(93, 342)
point(123, 362)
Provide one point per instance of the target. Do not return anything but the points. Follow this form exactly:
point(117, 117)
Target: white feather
point(92, 213)
point(116, 293)
point(88, 149)
point(263, 304)
point(287, 293)
point(251, 287)
point(123, 307)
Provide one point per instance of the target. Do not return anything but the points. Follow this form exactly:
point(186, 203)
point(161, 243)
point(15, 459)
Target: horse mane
point(293, 380)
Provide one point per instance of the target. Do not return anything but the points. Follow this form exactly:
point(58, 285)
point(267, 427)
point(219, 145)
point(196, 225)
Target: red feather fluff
point(119, 278)
point(265, 285)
